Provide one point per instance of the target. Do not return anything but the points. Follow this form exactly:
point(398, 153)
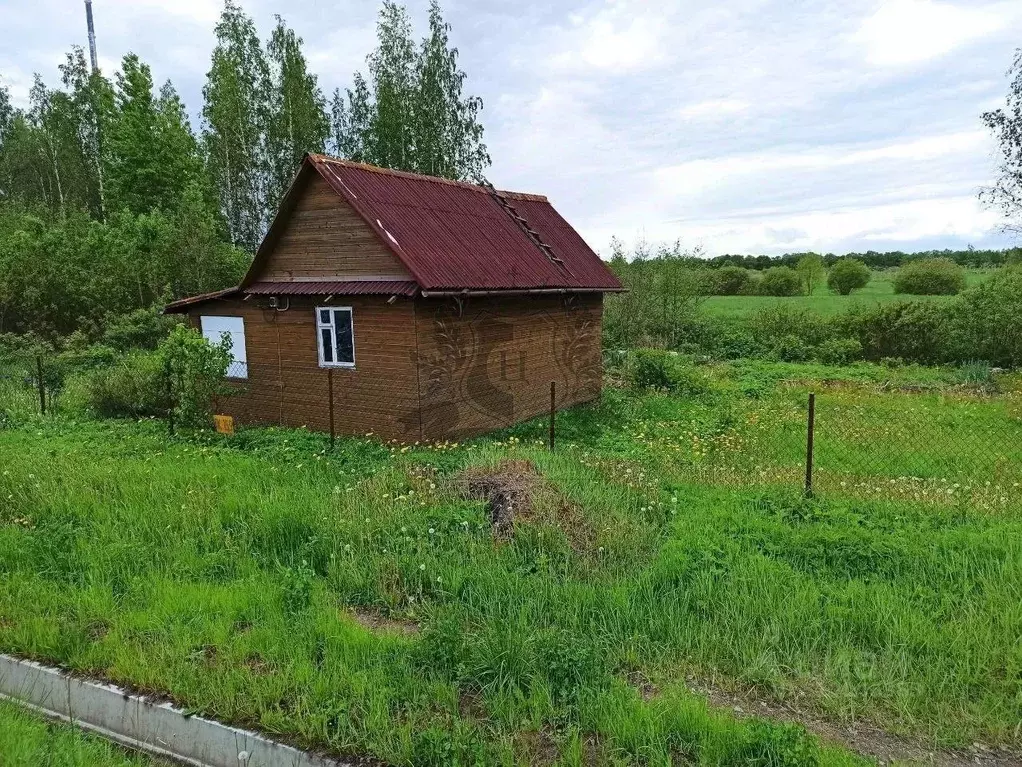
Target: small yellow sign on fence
point(224, 424)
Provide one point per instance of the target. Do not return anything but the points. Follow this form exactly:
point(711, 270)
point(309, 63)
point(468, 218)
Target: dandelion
point(431, 531)
point(422, 567)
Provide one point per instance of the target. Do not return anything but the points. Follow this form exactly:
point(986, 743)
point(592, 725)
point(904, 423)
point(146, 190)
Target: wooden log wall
point(425, 369)
point(325, 239)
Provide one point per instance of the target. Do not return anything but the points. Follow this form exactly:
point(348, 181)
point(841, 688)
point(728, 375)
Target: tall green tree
point(92, 103)
point(297, 122)
point(152, 155)
point(235, 115)
point(351, 120)
point(392, 66)
point(412, 113)
point(448, 134)
point(811, 270)
point(49, 153)
point(1006, 125)
point(50, 139)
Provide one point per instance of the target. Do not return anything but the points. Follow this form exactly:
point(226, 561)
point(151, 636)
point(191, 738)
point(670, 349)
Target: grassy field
point(661, 561)
point(27, 740)
point(879, 290)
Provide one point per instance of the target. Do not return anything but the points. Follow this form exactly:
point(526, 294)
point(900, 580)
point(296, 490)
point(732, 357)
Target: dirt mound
point(514, 490)
point(508, 490)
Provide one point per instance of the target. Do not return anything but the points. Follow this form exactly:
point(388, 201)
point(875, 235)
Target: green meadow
point(879, 290)
point(662, 559)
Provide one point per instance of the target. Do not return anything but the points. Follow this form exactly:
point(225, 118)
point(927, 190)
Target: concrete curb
point(131, 720)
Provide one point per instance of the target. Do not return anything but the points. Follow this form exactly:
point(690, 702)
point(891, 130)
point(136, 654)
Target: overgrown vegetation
point(667, 307)
point(110, 202)
point(357, 601)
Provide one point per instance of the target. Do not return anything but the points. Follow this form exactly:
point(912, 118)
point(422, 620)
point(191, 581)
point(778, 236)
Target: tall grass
point(237, 577)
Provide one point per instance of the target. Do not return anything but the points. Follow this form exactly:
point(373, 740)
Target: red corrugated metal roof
point(458, 236)
point(345, 288)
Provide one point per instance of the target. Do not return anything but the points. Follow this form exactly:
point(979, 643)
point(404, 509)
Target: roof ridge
point(423, 177)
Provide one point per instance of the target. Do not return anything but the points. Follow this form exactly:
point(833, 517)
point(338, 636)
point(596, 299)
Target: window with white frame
point(214, 329)
point(336, 336)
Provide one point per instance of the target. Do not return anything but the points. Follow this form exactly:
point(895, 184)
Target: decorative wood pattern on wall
point(325, 239)
point(487, 363)
point(424, 369)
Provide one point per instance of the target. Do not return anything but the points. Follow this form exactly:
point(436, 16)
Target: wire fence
point(943, 447)
point(24, 387)
point(950, 449)
point(33, 384)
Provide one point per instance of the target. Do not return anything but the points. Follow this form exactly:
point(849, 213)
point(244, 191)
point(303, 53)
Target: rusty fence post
point(810, 434)
point(41, 383)
point(553, 412)
point(330, 399)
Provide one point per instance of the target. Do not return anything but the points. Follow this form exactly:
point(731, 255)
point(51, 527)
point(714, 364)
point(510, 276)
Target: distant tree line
point(110, 201)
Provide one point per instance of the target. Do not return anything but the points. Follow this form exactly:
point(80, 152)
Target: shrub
point(780, 281)
point(772, 323)
point(839, 351)
point(140, 329)
point(730, 281)
point(848, 274)
point(930, 277)
point(985, 322)
point(133, 386)
point(659, 369)
point(732, 340)
point(917, 331)
point(791, 348)
point(197, 369)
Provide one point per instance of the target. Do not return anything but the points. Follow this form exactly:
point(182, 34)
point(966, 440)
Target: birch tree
point(412, 113)
point(1006, 125)
point(298, 122)
point(448, 134)
point(235, 115)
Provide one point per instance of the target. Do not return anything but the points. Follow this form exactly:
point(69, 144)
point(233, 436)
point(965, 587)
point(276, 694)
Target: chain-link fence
point(26, 386)
point(945, 448)
point(39, 383)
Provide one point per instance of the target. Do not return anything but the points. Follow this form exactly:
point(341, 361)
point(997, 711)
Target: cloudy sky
point(736, 125)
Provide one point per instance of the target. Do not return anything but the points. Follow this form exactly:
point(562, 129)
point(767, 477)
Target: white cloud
point(713, 109)
point(201, 12)
point(909, 31)
point(697, 175)
point(885, 226)
point(620, 36)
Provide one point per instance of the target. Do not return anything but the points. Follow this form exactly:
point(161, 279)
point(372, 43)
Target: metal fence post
point(41, 383)
point(330, 399)
point(170, 398)
point(810, 433)
point(553, 412)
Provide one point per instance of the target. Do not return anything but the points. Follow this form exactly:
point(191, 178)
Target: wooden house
point(435, 309)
